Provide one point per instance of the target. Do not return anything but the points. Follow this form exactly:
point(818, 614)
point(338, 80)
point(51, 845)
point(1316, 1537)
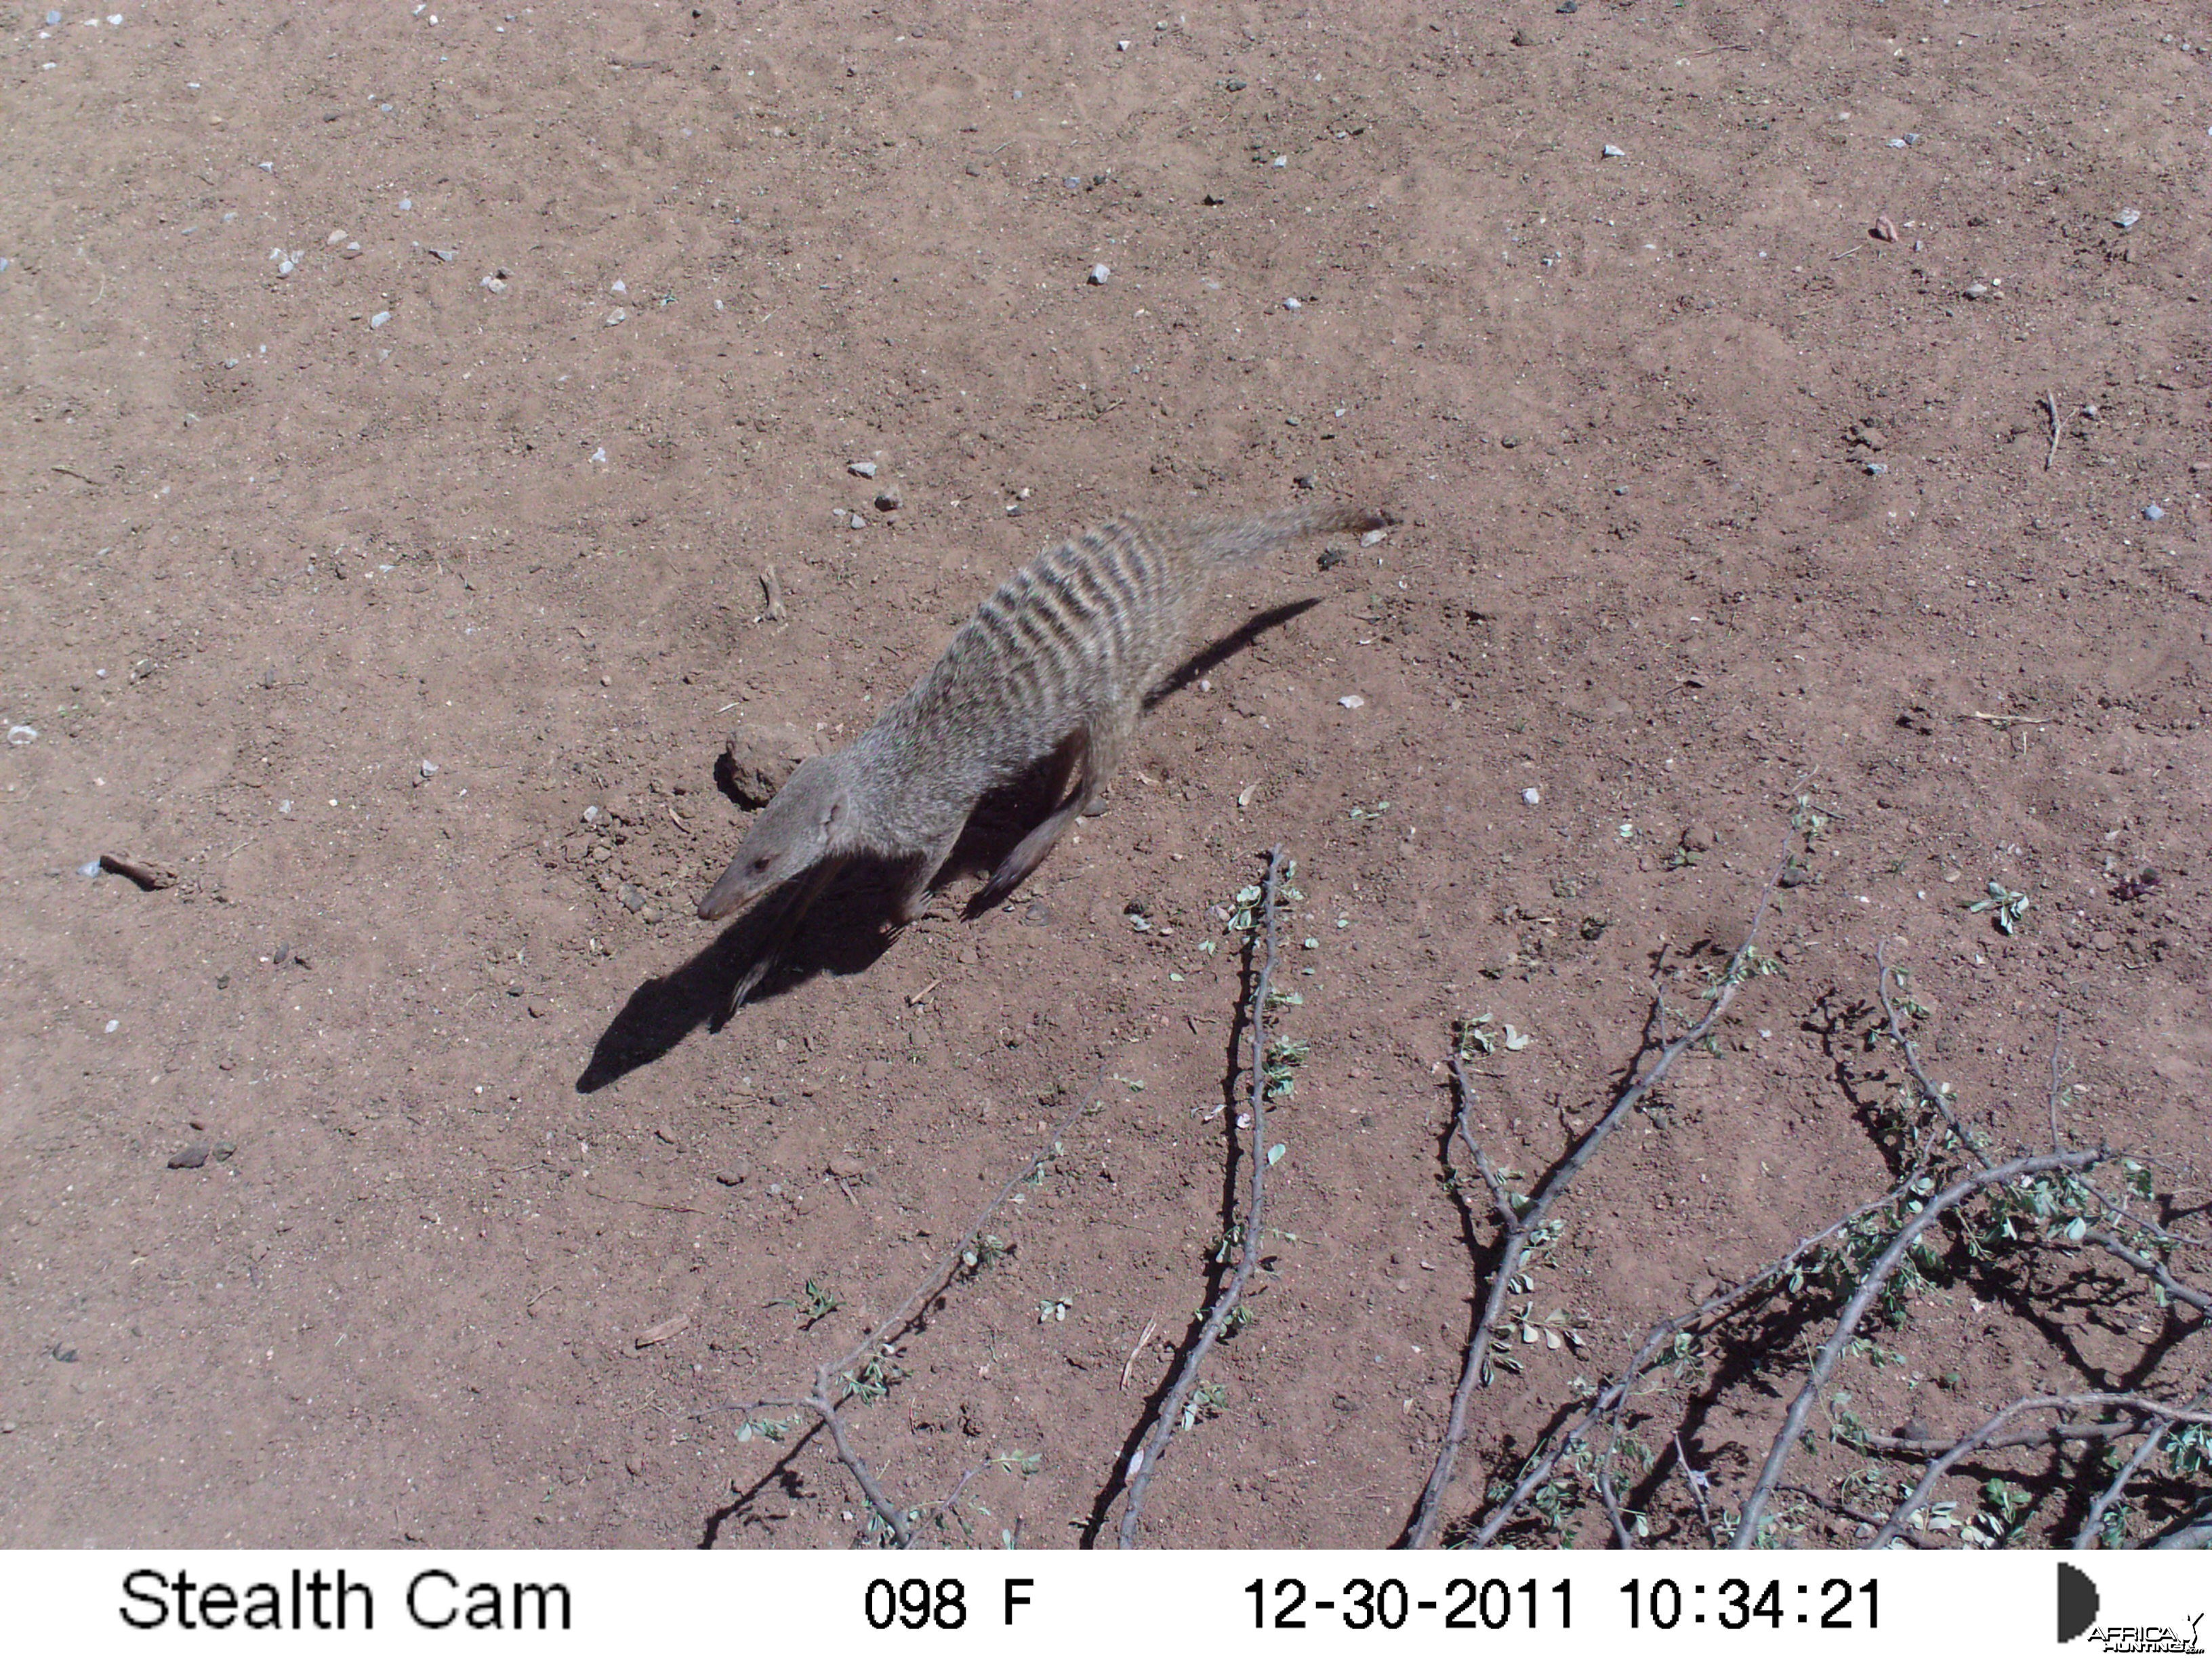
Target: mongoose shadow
point(848, 927)
point(844, 935)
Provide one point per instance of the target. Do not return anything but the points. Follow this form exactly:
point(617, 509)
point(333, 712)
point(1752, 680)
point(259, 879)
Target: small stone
point(66, 1354)
point(429, 769)
point(861, 469)
point(194, 1154)
point(2127, 218)
point(617, 317)
point(1532, 798)
point(887, 499)
point(2153, 512)
point(594, 814)
point(444, 256)
point(1293, 304)
point(1614, 153)
point(1697, 836)
point(846, 1167)
point(1980, 291)
point(761, 757)
point(20, 735)
point(1354, 701)
point(2102, 940)
point(1330, 557)
point(1099, 275)
point(735, 1173)
point(379, 320)
point(496, 281)
point(1372, 536)
point(632, 897)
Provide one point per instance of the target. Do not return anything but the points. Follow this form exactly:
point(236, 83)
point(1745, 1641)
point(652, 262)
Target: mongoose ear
point(831, 812)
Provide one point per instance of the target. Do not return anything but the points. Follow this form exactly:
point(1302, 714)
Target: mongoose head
point(793, 832)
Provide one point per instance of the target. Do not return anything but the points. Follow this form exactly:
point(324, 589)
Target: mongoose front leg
point(914, 898)
point(781, 933)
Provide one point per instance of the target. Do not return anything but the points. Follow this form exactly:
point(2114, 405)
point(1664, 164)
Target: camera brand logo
point(2078, 1604)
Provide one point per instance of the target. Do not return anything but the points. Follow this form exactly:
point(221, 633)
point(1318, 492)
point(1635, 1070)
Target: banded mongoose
point(1053, 666)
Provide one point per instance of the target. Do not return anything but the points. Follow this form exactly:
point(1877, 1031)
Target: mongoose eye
point(760, 865)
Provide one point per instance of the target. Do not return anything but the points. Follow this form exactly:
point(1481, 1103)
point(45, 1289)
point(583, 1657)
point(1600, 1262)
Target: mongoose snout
point(1053, 667)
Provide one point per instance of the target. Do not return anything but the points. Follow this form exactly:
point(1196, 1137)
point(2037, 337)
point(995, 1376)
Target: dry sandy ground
point(392, 388)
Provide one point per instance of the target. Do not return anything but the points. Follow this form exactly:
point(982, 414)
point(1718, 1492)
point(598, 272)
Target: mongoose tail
point(1234, 542)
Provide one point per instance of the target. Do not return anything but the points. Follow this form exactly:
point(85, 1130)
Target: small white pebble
point(379, 320)
point(1099, 275)
point(1531, 798)
point(600, 453)
point(1614, 153)
point(1292, 305)
point(113, 1025)
point(861, 469)
point(1355, 701)
point(617, 317)
point(618, 286)
point(1372, 536)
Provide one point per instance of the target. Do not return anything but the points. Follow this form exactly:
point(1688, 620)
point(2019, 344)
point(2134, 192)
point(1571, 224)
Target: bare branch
point(1723, 1305)
point(1144, 1463)
point(1934, 1096)
point(1985, 1438)
point(890, 1513)
point(2087, 1533)
point(1518, 1223)
point(833, 1382)
point(2154, 1270)
point(1870, 1287)
point(1699, 1483)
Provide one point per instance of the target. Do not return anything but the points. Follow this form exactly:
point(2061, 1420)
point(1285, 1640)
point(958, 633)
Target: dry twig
point(833, 1379)
point(1518, 1223)
point(1793, 1423)
point(1983, 1437)
point(1144, 1463)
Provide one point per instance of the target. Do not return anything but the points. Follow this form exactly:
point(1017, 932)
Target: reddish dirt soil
point(1713, 501)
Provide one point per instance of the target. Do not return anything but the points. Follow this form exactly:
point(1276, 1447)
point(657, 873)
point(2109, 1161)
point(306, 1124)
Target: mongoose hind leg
point(780, 934)
point(1095, 748)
